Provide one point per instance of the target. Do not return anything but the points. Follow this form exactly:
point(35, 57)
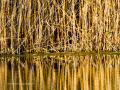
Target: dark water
point(66, 72)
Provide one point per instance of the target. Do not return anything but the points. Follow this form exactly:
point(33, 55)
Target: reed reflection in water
point(101, 72)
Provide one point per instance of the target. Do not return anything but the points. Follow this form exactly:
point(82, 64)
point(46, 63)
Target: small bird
point(106, 33)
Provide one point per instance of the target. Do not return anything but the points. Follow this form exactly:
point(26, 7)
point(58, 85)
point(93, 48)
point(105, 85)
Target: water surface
point(61, 72)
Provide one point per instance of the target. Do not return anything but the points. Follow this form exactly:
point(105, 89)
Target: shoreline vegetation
point(60, 54)
point(55, 26)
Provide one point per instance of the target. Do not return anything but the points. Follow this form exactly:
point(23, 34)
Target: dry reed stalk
point(25, 25)
point(73, 19)
point(12, 30)
point(83, 29)
point(4, 21)
point(20, 21)
point(85, 8)
point(96, 27)
point(40, 26)
point(29, 25)
point(1, 20)
point(79, 26)
point(100, 26)
point(64, 29)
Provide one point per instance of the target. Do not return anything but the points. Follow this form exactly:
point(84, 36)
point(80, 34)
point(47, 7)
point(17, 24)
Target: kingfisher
point(106, 33)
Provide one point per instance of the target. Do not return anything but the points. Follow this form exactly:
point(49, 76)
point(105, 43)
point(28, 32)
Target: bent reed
point(59, 25)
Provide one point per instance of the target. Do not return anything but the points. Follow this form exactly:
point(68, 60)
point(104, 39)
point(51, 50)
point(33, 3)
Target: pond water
point(61, 72)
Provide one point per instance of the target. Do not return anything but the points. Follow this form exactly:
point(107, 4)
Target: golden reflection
point(60, 73)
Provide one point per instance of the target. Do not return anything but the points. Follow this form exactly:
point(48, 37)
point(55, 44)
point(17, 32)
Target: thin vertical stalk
point(73, 19)
point(40, 26)
point(4, 30)
point(86, 29)
point(64, 28)
point(1, 21)
point(104, 27)
point(29, 23)
point(12, 30)
point(20, 20)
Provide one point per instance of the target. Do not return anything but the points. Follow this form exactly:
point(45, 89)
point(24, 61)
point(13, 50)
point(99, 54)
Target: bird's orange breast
point(106, 33)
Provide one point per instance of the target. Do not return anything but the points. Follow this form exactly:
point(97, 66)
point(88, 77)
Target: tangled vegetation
point(59, 25)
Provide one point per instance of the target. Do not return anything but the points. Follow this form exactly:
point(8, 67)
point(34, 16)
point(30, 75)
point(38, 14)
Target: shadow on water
point(66, 72)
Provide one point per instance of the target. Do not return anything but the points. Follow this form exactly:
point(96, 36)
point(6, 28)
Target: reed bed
point(59, 25)
point(60, 73)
